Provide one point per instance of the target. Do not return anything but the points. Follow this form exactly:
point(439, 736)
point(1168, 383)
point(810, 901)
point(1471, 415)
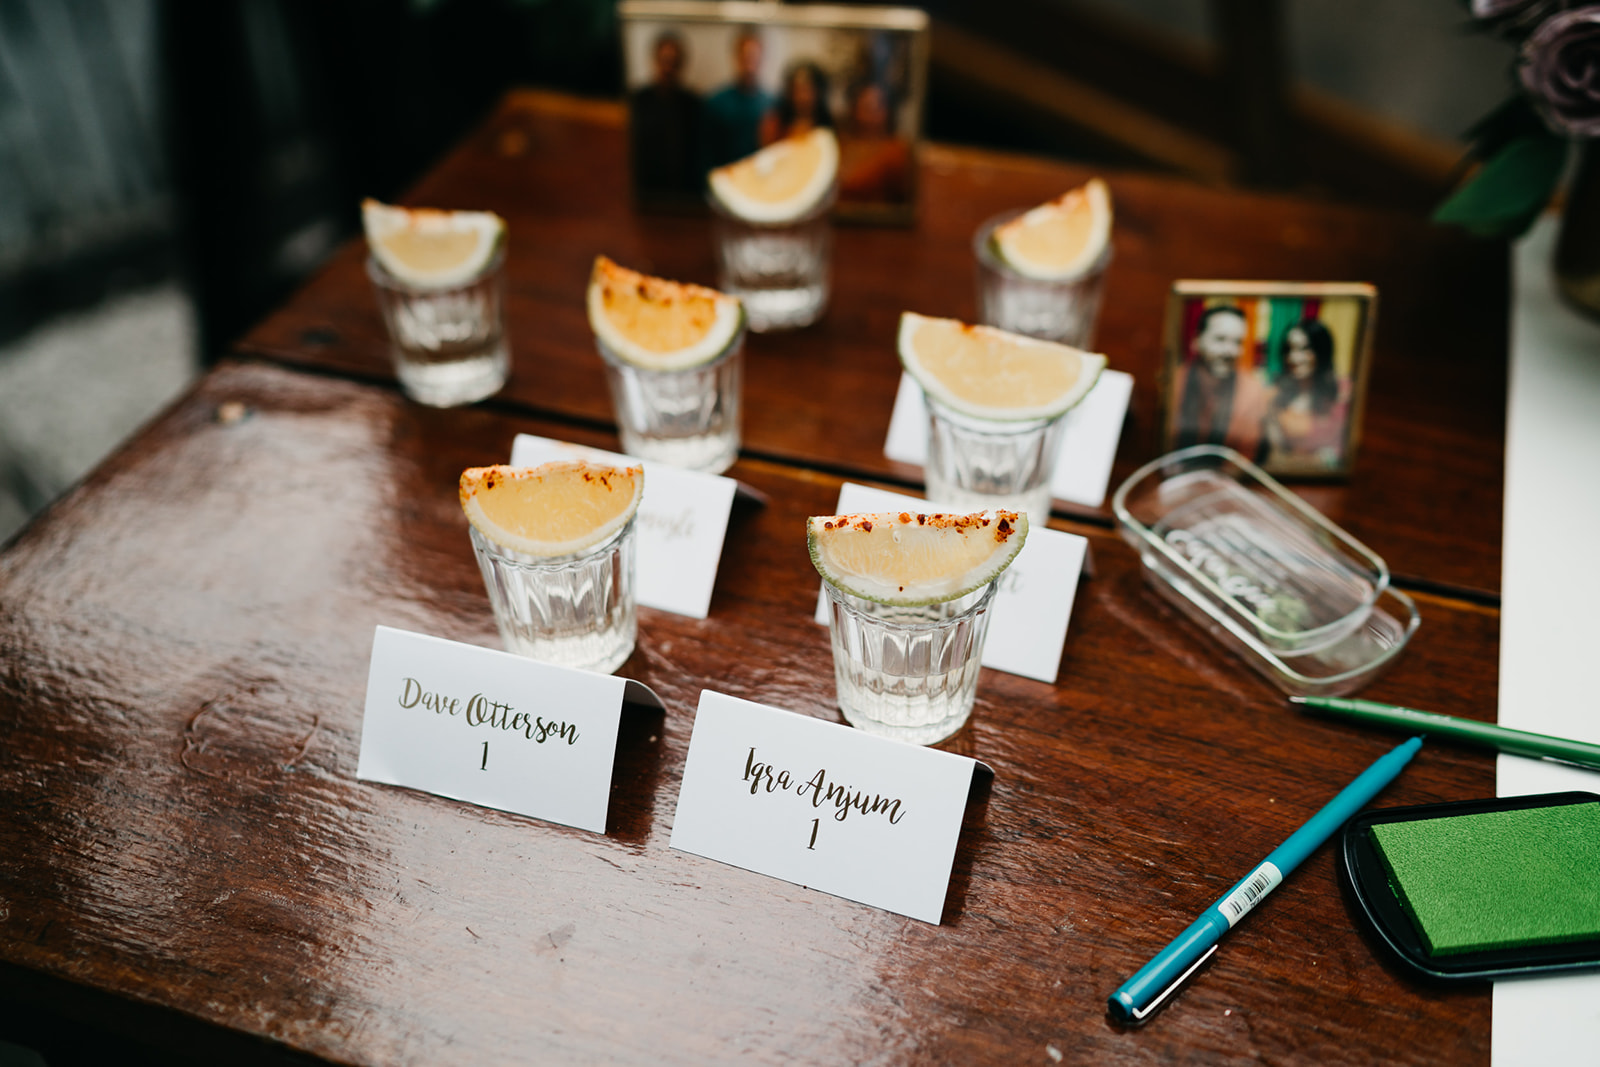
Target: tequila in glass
point(979, 464)
point(1061, 310)
point(910, 673)
point(781, 271)
point(573, 611)
point(686, 418)
point(448, 345)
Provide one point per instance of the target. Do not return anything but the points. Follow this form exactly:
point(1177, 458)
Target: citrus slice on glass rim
point(660, 325)
point(431, 249)
point(782, 182)
point(555, 509)
point(1060, 239)
point(993, 374)
point(906, 558)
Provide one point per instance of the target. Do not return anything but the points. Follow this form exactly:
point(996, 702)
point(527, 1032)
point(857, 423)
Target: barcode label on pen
point(1237, 904)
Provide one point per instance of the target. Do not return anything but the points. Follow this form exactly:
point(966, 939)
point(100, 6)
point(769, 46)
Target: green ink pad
point(1483, 888)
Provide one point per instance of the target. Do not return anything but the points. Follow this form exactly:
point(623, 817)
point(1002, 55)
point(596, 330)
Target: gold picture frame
point(710, 82)
point(1276, 371)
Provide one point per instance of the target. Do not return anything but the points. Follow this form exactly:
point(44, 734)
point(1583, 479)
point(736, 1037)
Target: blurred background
point(171, 169)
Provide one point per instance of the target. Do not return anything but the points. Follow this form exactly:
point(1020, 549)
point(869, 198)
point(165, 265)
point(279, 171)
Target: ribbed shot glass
point(573, 611)
point(978, 464)
point(685, 418)
point(448, 346)
point(1062, 310)
point(909, 673)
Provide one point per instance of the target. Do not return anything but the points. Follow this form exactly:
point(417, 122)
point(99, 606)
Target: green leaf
point(1504, 197)
point(1514, 119)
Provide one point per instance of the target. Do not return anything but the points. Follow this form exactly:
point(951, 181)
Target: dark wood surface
point(183, 654)
point(1427, 491)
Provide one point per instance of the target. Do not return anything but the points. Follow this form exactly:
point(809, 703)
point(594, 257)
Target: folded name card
point(682, 521)
point(494, 729)
point(822, 805)
point(1088, 443)
point(1031, 608)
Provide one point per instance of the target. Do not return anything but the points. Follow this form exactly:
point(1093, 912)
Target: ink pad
point(1480, 888)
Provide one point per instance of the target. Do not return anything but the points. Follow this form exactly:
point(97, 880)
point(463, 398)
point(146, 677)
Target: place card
point(822, 805)
point(1028, 624)
point(493, 729)
point(1088, 442)
point(682, 521)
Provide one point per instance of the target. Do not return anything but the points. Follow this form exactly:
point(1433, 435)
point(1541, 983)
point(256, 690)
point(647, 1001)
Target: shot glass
point(573, 611)
point(910, 673)
point(782, 271)
point(1063, 310)
point(686, 418)
point(448, 345)
point(980, 464)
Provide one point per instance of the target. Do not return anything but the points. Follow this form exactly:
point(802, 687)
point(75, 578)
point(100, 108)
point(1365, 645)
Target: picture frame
point(711, 81)
point(1277, 371)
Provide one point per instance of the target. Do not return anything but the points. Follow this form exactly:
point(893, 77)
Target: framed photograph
point(709, 83)
point(1276, 371)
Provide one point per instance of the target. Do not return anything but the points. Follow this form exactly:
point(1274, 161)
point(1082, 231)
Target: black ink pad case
point(1481, 888)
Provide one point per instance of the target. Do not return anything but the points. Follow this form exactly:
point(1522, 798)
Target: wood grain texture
point(1427, 491)
point(183, 656)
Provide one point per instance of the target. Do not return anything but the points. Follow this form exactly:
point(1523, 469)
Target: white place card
point(682, 521)
point(491, 728)
point(822, 805)
point(1088, 443)
point(1033, 604)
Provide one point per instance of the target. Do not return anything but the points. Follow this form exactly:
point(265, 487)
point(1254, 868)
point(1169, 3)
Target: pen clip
point(1150, 1008)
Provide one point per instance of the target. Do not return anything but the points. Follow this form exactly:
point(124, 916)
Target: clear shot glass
point(573, 611)
point(782, 271)
point(685, 418)
point(909, 673)
point(1064, 310)
point(448, 345)
point(982, 464)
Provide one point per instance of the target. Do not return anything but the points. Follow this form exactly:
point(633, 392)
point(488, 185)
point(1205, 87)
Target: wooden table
point(1427, 491)
point(185, 850)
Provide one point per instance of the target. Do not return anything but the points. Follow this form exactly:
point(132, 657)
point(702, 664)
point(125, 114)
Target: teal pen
point(1487, 734)
point(1142, 994)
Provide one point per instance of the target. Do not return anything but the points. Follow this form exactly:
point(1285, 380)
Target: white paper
point(882, 830)
point(682, 521)
point(490, 728)
point(1550, 622)
point(1088, 443)
point(1031, 608)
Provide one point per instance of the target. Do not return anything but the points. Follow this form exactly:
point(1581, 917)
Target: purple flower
point(1560, 68)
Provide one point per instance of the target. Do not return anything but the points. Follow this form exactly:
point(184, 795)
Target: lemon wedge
point(991, 374)
point(556, 509)
point(660, 325)
point(907, 558)
point(430, 249)
point(1060, 239)
point(782, 182)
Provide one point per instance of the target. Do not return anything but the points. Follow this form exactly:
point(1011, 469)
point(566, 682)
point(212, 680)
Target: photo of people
point(664, 134)
point(710, 83)
point(802, 107)
point(1274, 372)
point(736, 112)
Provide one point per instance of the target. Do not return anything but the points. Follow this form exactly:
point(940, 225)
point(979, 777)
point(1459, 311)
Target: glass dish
point(1263, 572)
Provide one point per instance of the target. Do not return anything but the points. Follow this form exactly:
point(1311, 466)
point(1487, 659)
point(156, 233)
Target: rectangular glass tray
point(1268, 576)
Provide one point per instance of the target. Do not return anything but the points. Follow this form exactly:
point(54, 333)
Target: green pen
point(1486, 734)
